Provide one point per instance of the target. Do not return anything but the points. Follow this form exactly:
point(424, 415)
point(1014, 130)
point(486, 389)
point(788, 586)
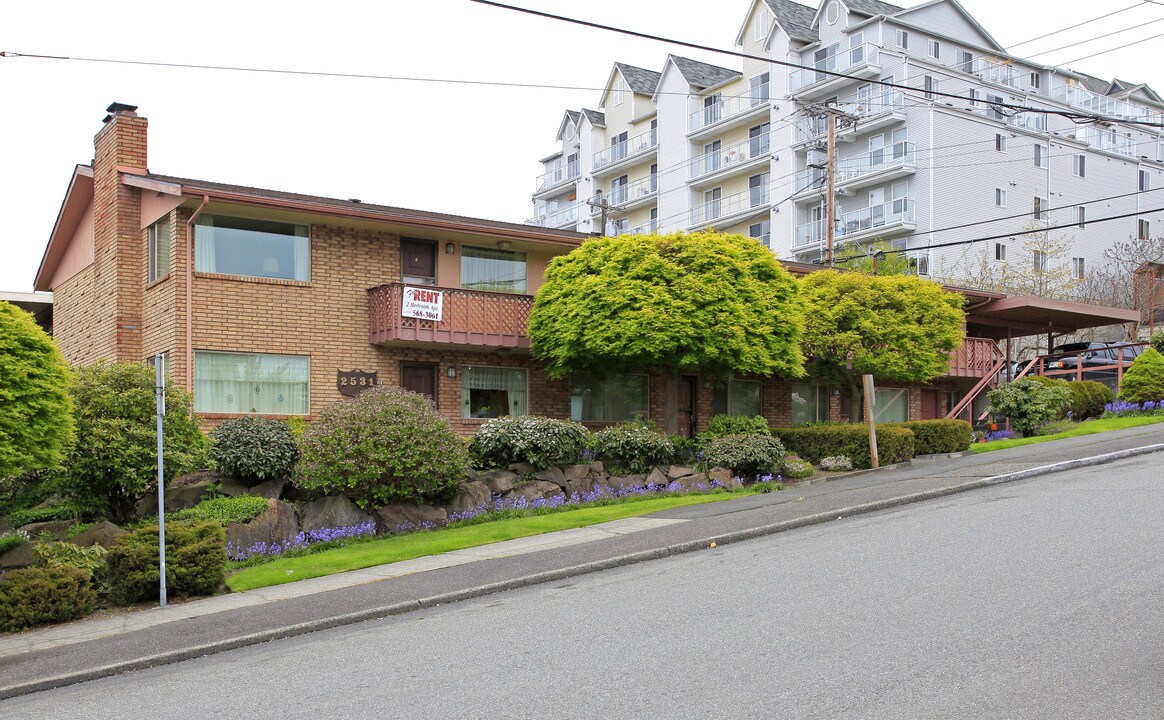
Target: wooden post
point(869, 402)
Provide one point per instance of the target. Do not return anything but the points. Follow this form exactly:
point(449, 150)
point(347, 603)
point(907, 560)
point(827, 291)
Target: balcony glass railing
point(841, 62)
point(712, 210)
point(647, 228)
point(1084, 99)
point(1109, 139)
point(713, 161)
point(622, 149)
point(624, 194)
point(557, 218)
point(863, 106)
point(557, 176)
point(999, 73)
point(851, 223)
point(721, 108)
point(1036, 122)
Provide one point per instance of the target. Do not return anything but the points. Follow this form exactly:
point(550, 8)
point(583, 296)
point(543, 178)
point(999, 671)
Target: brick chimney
point(119, 248)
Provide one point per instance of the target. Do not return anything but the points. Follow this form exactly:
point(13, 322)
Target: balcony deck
point(974, 359)
point(469, 317)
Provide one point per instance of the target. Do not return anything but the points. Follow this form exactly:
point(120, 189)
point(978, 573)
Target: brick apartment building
point(284, 304)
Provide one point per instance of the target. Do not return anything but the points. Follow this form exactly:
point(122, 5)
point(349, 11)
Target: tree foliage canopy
point(703, 301)
point(36, 420)
point(899, 328)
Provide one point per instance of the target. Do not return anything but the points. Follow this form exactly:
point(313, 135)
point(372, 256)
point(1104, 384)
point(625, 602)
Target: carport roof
point(1023, 315)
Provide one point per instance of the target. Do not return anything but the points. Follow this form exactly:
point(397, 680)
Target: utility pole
point(837, 120)
point(606, 209)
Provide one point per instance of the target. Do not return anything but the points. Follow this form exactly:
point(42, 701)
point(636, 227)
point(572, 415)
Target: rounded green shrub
point(255, 449)
point(386, 446)
point(113, 462)
point(794, 468)
point(633, 447)
point(813, 442)
point(1088, 399)
point(539, 441)
point(1157, 341)
point(1062, 402)
point(1029, 403)
point(36, 420)
point(1144, 380)
point(195, 562)
point(748, 456)
point(35, 596)
point(224, 510)
point(721, 425)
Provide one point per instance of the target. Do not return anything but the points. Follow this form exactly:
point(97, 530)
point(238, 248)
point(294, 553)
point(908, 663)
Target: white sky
point(461, 149)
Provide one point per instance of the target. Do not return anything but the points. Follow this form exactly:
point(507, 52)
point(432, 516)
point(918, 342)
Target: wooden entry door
point(929, 405)
point(686, 405)
point(420, 378)
point(418, 261)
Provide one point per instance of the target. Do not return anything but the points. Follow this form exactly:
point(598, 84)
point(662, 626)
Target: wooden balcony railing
point(468, 317)
point(975, 358)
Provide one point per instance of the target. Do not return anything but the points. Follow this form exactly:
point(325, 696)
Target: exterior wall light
point(451, 372)
point(450, 249)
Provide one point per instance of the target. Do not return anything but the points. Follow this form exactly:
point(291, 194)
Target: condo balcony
point(647, 228)
point(1109, 140)
point(722, 212)
point(1079, 97)
point(873, 112)
point(624, 152)
point(974, 359)
point(629, 196)
point(467, 317)
point(720, 113)
point(1034, 122)
point(991, 71)
point(558, 219)
point(556, 179)
point(717, 163)
point(871, 168)
point(877, 222)
point(859, 62)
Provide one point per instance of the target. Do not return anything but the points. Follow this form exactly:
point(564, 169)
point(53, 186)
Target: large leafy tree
point(701, 302)
point(36, 420)
point(899, 328)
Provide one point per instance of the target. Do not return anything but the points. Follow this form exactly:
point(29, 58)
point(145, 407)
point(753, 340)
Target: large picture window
point(611, 399)
point(250, 383)
point(736, 397)
point(891, 405)
point(489, 392)
point(255, 248)
point(810, 403)
point(494, 270)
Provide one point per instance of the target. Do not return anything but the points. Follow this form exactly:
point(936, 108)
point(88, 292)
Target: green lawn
point(421, 544)
point(1087, 427)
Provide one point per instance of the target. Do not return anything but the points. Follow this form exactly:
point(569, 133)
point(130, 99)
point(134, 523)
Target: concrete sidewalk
point(87, 649)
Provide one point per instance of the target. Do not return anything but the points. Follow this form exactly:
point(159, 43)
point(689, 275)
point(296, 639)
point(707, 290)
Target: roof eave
point(77, 197)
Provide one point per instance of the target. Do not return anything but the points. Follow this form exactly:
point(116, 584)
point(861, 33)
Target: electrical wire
point(1081, 24)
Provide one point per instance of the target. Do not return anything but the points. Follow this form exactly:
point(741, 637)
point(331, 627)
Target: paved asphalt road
point(1037, 599)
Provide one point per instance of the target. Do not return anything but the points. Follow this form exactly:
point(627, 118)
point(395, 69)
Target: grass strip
point(1087, 427)
point(406, 547)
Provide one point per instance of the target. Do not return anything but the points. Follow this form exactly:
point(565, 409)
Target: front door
point(929, 405)
point(686, 405)
point(420, 378)
point(418, 261)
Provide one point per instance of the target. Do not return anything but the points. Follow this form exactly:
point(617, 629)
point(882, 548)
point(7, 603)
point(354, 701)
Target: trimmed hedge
point(539, 441)
point(722, 425)
point(932, 437)
point(255, 449)
point(814, 442)
point(195, 561)
point(1088, 399)
point(35, 596)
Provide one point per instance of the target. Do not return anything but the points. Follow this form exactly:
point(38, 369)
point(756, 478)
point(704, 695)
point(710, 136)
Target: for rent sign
point(422, 303)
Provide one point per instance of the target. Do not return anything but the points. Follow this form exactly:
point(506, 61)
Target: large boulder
point(677, 471)
point(472, 496)
point(533, 491)
point(724, 477)
point(269, 489)
point(332, 511)
point(583, 485)
point(553, 475)
point(403, 517)
point(18, 557)
point(693, 481)
point(59, 529)
point(499, 481)
point(104, 533)
point(276, 524)
point(658, 477)
point(523, 469)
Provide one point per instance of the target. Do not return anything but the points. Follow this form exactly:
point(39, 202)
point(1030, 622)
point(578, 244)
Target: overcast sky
point(457, 148)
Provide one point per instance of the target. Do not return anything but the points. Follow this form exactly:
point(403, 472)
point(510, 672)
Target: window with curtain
point(255, 248)
point(610, 399)
point(489, 392)
point(159, 247)
point(493, 270)
point(810, 403)
point(250, 383)
point(736, 397)
point(892, 405)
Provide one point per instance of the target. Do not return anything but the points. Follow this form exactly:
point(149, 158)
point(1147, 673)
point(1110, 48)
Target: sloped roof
point(1094, 84)
point(872, 7)
point(702, 75)
point(796, 19)
point(596, 118)
point(641, 81)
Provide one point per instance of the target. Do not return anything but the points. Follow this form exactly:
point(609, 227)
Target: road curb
point(559, 574)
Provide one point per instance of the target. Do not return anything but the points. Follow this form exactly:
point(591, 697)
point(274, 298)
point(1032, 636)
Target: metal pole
point(829, 197)
point(160, 404)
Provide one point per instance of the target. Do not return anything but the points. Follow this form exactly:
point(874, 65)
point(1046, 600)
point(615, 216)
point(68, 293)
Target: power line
point(735, 53)
point(1081, 24)
point(1102, 52)
point(1097, 37)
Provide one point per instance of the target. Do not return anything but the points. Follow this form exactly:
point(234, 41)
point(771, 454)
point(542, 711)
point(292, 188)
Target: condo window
point(891, 405)
point(1079, 165)
point(1000, 252)
point(1143, 230)
point(736, 397)
point(935, 49)
point(762, 231)
point(256, 248)
point(1000, 197)
point(1145, 181)
point(1040, 155)
point(1035, 82)
point(610, 399)
point(931, 86)
point(759, 88)
point(159, 249)
point(761, 26)
point(1079, 215)
point(1000, 142)
point(1038, 260)
point(903, 39)
point(489, 392)
point(810, 403)
point(618, 92)
point(1040, 208)
point(1077, 268)
point(492, 269)
point(250, 383)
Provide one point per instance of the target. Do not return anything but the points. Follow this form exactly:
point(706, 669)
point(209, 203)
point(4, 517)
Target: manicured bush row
point(814, 442)
point(748, 456)
point(195, 561)
point(35, 596)
point(255, 449)
point(936, 436)
point(1088, 399)
point(721, 425)
point(539, 441)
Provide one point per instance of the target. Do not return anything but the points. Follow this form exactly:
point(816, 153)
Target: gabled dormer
point(955, 24)
point(626, 97)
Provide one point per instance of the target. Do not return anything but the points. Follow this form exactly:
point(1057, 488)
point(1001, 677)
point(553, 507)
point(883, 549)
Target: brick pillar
point(119, 248)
